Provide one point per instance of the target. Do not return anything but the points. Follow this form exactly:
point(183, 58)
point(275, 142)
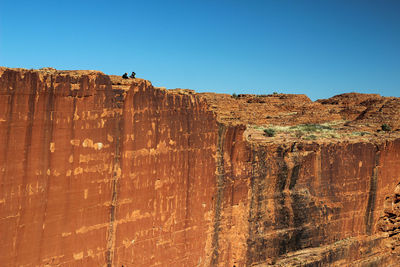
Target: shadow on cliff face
point(292, 219)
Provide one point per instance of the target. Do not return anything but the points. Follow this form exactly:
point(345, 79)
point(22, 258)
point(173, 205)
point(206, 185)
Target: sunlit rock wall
point(100, 173)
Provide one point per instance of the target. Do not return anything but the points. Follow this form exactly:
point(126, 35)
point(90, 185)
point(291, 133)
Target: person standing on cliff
point(132, 75)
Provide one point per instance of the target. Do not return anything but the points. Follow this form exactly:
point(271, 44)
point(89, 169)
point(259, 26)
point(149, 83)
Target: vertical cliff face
point(319, 204)
point(167, 179)
point(308, 204)
point(59, 156)
point(100, 171)
point(99, 174)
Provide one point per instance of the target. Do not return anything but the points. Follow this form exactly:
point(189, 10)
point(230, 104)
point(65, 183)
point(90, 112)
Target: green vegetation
point(234, 95)
point(270, 132)
point(385, 127)
point(310, 131)
point(303, 131)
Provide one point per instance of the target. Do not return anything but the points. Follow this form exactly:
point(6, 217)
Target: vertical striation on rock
point(168, 178)
point(49, 171)
point(100, 171)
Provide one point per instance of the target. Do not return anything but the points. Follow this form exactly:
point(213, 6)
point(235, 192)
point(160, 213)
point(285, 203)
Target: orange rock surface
point(97, 170)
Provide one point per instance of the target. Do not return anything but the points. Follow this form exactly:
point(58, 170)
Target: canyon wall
point(100, 171)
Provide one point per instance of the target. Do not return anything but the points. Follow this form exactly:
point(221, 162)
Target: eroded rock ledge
point(101, 171)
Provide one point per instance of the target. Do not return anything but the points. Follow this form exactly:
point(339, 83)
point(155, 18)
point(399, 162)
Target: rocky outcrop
point(390, 222)
point(101, 171)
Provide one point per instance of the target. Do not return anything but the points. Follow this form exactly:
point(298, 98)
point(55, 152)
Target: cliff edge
point(97, 170)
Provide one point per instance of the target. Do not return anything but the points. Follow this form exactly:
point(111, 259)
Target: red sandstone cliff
point(101, 171)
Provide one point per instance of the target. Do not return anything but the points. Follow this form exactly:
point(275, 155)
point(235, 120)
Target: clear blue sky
point(320, 48)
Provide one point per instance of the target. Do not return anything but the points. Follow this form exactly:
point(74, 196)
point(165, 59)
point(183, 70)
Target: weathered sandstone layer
point(100, 171)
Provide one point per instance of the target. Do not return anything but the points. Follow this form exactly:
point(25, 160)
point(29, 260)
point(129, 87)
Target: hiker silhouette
point(132, 75)
point(125, 76)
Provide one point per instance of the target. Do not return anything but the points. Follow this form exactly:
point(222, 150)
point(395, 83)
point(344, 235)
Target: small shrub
point(269, 132)
point(385, 127)
point(234, 95)
point(275, 93)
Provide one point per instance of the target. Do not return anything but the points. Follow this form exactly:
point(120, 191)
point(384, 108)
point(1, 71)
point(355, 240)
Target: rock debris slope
point(100, 171)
